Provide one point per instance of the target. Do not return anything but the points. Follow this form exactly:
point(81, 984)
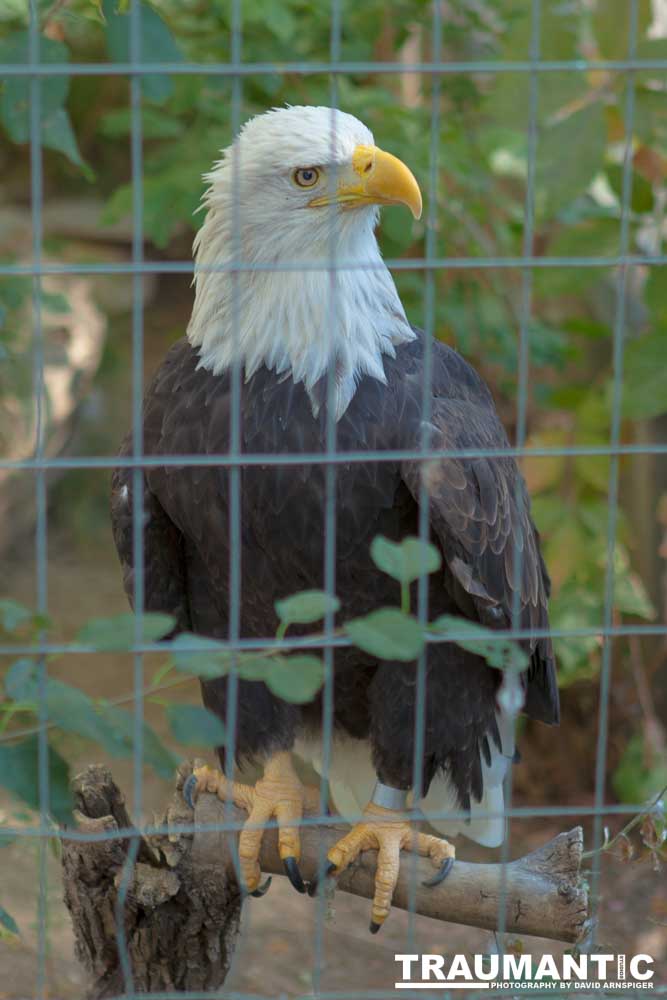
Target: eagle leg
point(388, 832)
point(279, 795)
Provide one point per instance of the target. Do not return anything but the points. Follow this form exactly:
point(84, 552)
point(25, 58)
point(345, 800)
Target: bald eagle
point(298, 185)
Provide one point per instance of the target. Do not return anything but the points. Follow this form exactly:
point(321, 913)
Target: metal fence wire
point(238, 72)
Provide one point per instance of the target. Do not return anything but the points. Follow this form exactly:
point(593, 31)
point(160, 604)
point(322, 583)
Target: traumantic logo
point(523, 972)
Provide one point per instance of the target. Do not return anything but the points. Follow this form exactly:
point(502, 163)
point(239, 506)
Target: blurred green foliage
point(478, 202)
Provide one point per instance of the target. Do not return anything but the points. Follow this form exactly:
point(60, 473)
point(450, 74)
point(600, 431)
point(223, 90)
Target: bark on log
point(181, 914)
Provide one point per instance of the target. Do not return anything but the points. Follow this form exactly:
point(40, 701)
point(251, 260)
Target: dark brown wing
point(480, 513)
point(164, 585)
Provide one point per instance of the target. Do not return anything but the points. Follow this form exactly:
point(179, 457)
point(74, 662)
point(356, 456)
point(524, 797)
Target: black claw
point(262, 890)
point(315, 884)
point(373, 927)
point(441, 874)
point(189, 786)
point(293, 874)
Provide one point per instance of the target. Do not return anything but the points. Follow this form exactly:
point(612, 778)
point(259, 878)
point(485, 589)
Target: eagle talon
point(189, 786)
point(440, 875)
point(294, 875)
point(262, 890)
point(314, 885)
point(373, 927)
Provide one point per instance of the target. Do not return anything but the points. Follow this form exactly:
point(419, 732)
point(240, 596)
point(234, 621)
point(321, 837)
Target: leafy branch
point(652, 821)
point(389, 633)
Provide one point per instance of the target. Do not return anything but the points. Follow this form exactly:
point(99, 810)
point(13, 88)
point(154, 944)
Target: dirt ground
point(279, 946)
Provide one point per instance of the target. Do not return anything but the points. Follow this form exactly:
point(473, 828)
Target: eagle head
point(292, 207)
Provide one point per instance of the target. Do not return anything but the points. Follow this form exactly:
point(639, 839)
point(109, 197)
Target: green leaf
point(655, 293)
point(122, 725)
point(570, 152)
point(58, 134)
point(13, 615)
point(407, 560)
point(202, 657)
point(255, 666)
point(611, 26)
point(645, 376)
point(387, 633)
point(119, 632)
point(195, 725)
point(641, 194)
point(66, 707)
point(504, 654)
point(155, 124)
point(631, 596)
point(157, 44)
point(296, 679)
point(19, 774)
point(306, 607)
point(55, 302)
point(15, 97)
point(169, 198)
point(634, 779)
point(8, 922)
point(596, 237)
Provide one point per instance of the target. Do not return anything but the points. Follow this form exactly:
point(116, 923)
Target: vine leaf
point(119, 632)
point(7, 921)
point(296, 679)
point(307, 607)
point(503, 654)
point(407, 560)
point(388, 633)
point(200, 656)
point(19, 774)
point(195, 725)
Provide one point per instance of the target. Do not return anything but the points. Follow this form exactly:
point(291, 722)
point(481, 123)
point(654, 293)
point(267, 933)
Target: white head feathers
point(301, 317)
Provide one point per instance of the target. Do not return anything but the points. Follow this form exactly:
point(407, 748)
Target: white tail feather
point(352, 777)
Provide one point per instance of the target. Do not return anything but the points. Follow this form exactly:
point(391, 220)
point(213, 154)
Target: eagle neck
point(304, 322)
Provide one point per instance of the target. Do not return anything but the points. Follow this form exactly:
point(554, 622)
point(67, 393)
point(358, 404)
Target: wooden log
point(182, 905)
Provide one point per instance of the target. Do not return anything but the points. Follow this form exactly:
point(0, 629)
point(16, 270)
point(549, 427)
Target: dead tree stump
point(180, 904)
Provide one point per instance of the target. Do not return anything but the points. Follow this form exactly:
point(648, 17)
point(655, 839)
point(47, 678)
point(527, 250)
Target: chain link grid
point(38, 464)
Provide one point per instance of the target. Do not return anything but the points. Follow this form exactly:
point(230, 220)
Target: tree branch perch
point(183, 905)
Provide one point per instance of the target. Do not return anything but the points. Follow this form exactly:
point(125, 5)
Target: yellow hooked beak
point(375, 178)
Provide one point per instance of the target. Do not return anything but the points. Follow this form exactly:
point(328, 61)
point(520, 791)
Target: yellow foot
point(388, 832)
point(279, 795)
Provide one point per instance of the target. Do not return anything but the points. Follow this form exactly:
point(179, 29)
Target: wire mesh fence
point(622, 262)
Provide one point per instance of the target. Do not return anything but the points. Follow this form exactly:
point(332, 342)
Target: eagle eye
point(306, 177)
